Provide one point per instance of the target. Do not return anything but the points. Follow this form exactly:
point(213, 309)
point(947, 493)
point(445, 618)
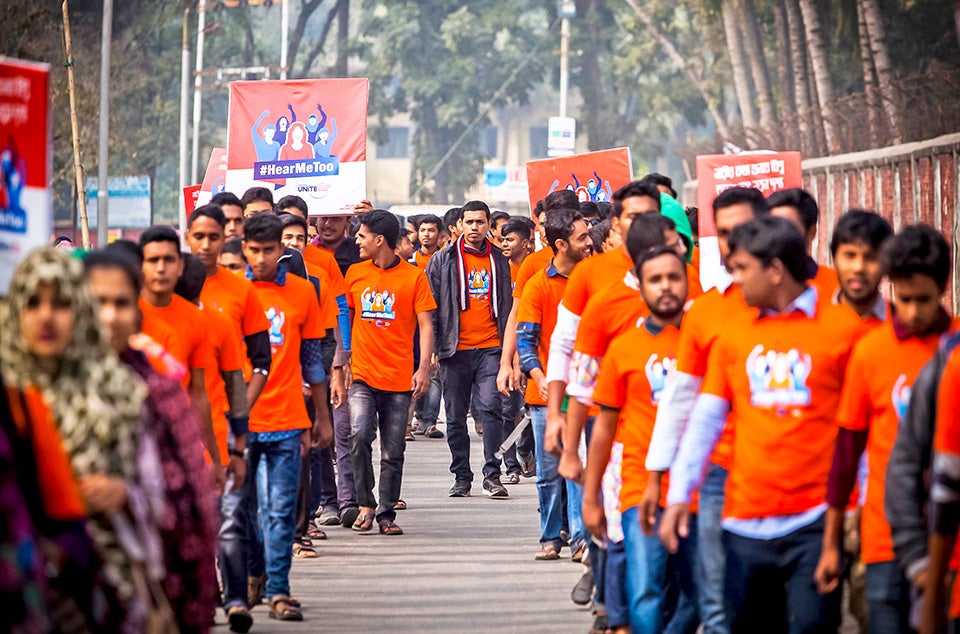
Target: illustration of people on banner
point(593, 176)
point(596, 190)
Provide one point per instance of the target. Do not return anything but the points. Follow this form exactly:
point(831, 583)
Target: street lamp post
point(103, 185)
point(566, 9)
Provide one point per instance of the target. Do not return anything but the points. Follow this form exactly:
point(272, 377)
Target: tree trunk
point(801, 91)
point(869, 82)
point(692, 74)
point(590, 83)
point(753, 45)
point(741, 81)
point(788, 111)
point(821, 71)
point(881, 61)
point(296, 37)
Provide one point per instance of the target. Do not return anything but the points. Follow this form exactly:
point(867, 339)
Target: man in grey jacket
point(470, 280)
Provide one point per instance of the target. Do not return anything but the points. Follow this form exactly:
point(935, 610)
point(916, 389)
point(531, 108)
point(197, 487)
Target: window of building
point(538, 142)
point(397, 145)
point(488, 141)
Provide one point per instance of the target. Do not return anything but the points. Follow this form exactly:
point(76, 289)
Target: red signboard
point(190, 195)
point(214, 179)
point(593, 176)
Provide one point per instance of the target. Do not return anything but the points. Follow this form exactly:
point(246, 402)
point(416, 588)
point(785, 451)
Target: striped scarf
point(487, 250)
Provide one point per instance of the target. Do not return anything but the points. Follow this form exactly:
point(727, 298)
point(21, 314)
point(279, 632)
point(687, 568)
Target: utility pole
point(197, 95)
point(184, 112)
point(103, 180)
point(75, 129)
point(564, 56)
point(284, 28)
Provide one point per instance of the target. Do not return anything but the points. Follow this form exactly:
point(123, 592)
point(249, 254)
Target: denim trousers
point(770, 585)
point(647, 565)
point(232, 546)
point(888, 599)
point(550, 488)
point(710, 552)
point(276, 466)
point(512, 406)
point(472, 371)
point(427, 407)
point(373, 410)
point(346, 486)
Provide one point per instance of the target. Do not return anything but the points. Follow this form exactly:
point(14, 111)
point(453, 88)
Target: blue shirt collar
point(279, 280)
point(552, 270)
point(878, 311)
point(805, 303)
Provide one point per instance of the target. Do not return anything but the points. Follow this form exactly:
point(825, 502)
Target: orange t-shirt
point(541, 296)
point(782, 375)
point(946, 438)
point(875, 397)
point(536, 261)
point(234, 296)
point(421, 259)
point(478, 328)
point(592, 275)
point(329, 312)
point(294, 315)
point(632, 377)
point(324, 259)
point(184, 335)
point(386, 303)
point(826, 282)
point(226, 352)
point(514, 269)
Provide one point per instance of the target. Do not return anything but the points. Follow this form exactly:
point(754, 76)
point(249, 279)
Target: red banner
point(214, 179)
point(190, 195)
point(767, 171)
point(305, 137)
point(593, 176)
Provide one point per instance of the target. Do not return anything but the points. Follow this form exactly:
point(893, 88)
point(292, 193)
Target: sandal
point(303, 549)
point(364, 522)
point(400, 506)
point(316, 533)
point(389, 528)
point(255, 590)
point(282, 610)
point(239, 619)
point(547, 552)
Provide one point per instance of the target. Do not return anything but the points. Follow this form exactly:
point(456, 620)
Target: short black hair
point(429, 219)
point(234, 246)
point(860, 225)
point(655, 252)
point(739, 195)
point(451, 217)
point(213, 211)
point(117, 257)
point(382, 223)
point(599, 234)
point(159, 233)
point(560, 199)
point(646, 231)
point(475, 205)
point(657, 178)
point(256, 194)
point(693, 217)
point(226, 198)
point(917, 250)
point(519, 226)
point(559, 226)
point(769, 238)
point(604, 209)
point(129, 247)
point(800, 200)
point(589, 209)
point(538, 208)
point(632, 190)
point(287, 220)
point(190, 284)
point(292, 201)
point(263, 228)
point(497, 216)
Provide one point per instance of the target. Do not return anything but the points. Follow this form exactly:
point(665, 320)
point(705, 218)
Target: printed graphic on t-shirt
point(377, 305)
point(901, 395)
point(479, 284)
point(778, 379)
point(659, 370)
point(276, 319)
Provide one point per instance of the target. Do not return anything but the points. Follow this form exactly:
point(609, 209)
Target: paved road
point(464, 565)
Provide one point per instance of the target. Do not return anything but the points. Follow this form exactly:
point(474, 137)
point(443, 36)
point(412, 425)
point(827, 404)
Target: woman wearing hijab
point(52, 346)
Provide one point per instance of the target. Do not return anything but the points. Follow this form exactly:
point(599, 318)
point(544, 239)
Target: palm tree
point(753, 45)
point(870, 14)
point(821, 72)
point(798, 53)
point(741, 78)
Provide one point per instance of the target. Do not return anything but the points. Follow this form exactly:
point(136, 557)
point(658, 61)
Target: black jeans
point(372, 410)
point(465, 372)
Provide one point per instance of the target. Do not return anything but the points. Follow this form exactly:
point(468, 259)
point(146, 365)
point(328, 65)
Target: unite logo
point(778, 379)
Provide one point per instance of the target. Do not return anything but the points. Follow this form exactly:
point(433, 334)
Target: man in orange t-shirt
point(876, 394)
point(632, 376)
point(470, 281)
point(569, 240)
point(800, 208)
point(389, 300)
point(780, 373)
point(427, 407)
point(280, 427)
point(428, 234)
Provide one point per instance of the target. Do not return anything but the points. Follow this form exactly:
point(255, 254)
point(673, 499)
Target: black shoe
point(240, 620)
point(493, 488)
point(349, 516)
point(460, 489)
point(583, 591)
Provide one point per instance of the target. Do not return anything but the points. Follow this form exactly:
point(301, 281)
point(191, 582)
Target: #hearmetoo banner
point(306, 137)
point(26, 203)
point(593, 176)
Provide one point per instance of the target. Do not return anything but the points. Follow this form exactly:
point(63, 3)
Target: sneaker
point(511, 478)
point(460, 489)
point(492, 488)
point(433, 432)
point(327, 517)
point(349, 516)
point(528, 464)
point(583, 591)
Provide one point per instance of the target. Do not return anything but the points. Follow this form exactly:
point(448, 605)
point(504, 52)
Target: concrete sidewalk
point(464, 564)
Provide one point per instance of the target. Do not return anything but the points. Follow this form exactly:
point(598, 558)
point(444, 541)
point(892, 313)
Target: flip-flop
point(389, 528)
point(363, 523)
point(547, 553)
point(400, 506)
point(288, 612)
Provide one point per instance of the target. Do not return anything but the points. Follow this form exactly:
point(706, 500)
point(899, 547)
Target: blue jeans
point(710, 552)
point(647, 561)
point(550, 487)
point(427, 407)
point(888, 599)
point(614, 579)
point(346, 486)
point(279, 480)
point(512, 405)
point(372, 410)
point(770, 585)
point(472, 371)
point(232, 546)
